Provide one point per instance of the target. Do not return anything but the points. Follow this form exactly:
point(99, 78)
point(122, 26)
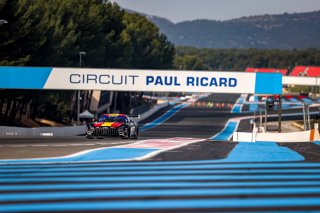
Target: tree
point(149, 48)
point(53, 32)
point(240, 59)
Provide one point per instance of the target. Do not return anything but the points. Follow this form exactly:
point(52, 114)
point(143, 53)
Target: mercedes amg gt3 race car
point(114, 125)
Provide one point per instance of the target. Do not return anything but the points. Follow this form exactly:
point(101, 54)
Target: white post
point(266, 115)
point(260, 125)
point(309, 123)
point(78, 107)
point(304, 117)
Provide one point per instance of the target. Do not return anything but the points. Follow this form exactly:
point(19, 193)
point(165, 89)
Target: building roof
point(271, 70)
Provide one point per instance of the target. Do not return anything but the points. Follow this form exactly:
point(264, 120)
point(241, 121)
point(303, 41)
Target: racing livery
point(114, 125)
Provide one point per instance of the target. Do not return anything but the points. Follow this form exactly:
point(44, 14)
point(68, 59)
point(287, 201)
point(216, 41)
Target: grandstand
point(272, 70)
point(309, 71)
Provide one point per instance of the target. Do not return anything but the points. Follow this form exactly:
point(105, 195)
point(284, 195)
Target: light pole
point(80, 55)
point(3, 22)
point(78, 93)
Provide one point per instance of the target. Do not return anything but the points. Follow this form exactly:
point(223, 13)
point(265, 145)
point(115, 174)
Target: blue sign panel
point(268, 83)
point(23, 77)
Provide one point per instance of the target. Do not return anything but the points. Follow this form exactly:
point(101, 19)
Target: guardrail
point(42, 131)
point(61, 131)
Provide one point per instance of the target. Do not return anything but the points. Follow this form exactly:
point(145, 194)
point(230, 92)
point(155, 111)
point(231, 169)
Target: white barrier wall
point(303, 136)
point(43, 131)
point(307, 81)
point(62, 131)
point(244, 137)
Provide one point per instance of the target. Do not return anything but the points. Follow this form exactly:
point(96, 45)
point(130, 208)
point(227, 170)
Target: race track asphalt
point(191, 121)
point(207, 176)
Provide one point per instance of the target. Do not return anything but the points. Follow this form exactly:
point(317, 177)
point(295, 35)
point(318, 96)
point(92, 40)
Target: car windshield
point(120, 119)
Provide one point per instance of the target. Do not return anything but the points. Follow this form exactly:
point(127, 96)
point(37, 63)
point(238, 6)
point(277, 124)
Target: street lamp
point(78, 94)
point(80, 55)
point(3, 22)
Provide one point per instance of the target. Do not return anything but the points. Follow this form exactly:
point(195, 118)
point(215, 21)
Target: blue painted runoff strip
point(165, 168)
point(120, 178)
point(137, 193)
point(262, 152)
point(163, 118)
point(227, 132)
point(161, 185)
point(253, 107)
point(240, 100)
point(238, 105)
point(236, 108)
point(94, 172)
point(268, 83)
point(285, 106)
point(116, 166)
point(23, 77)
point(307, 100)
point(295, 103)
point(163, 204)
point(97, 155)
point(294, 100)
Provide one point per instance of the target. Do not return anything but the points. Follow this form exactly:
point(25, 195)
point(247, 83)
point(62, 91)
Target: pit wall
point(303, 136)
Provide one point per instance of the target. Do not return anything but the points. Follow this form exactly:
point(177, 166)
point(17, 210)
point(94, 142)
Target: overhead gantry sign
point(139, 80)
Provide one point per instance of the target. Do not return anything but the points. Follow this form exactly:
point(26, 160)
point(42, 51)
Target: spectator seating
point(309, 71)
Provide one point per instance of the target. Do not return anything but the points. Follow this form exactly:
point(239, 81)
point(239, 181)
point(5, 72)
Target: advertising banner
point(139, 80)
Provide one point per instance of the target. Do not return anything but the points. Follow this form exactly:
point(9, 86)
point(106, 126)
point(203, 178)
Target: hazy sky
point(181, 10)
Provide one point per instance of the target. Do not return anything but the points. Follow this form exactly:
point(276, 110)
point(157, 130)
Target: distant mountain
point(286, 31)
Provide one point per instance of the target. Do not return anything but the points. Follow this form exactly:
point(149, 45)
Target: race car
point(114, 125)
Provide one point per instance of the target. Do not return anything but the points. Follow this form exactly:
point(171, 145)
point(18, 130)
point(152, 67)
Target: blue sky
point(181, 10)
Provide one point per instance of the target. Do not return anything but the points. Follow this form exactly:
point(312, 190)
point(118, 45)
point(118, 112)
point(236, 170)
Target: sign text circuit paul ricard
point(139, 80)
point(151, 80)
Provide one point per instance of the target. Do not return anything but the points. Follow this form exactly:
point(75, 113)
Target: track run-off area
point(183, 161)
